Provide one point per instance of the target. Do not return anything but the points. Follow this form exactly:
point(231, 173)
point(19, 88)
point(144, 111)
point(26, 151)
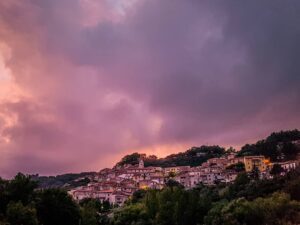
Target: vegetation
point(238, 167)
point(277, 147)
point(22, 204)
point(67, 181)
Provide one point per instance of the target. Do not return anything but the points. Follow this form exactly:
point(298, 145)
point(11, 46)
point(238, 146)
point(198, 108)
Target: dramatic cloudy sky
point(83, 82)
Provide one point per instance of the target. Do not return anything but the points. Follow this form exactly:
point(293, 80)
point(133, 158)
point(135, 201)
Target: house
point(184, 179)
point(288, 165)
point(118, 198)
point(252, 162)
point(176, 169)
point(235, 160)
point(150, 184)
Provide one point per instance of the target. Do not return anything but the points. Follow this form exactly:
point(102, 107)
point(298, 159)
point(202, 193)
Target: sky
point(84, 82)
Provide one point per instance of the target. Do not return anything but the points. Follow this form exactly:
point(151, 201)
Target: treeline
point(247, 201)
point(68, 181)
point(277, 147)
point(192, 157)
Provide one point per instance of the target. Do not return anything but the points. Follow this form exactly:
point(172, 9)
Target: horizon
point(83, 83)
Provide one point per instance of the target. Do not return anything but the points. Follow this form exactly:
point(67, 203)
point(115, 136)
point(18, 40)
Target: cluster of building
point(116, 185)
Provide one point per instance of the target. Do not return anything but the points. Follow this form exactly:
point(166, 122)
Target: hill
point(192, 157)
point(279, 146)
point(68, 181)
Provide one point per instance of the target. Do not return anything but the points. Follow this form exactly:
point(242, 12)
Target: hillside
point(192, 157)
point(277, 146)
point(69, 180)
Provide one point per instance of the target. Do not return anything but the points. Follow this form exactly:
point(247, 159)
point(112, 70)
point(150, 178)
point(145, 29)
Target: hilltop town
point(118, 184)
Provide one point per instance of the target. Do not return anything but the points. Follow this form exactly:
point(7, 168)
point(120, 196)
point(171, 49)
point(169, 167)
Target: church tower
point(141, 163)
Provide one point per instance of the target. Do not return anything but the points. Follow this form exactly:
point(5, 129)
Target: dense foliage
point(277, 147)
point(22, 204)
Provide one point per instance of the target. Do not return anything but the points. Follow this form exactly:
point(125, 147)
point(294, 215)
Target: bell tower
point(141, 163)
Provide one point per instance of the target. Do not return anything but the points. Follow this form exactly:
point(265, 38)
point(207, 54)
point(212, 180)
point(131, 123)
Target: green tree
point(21, 188)
point(18, 214)
point(4, 198)
point(166, 202)
point(89, 214)
point(132, 159)
point(213, 216)
point(131, 215)
point(138, 195)
point(276, 210)
point(55, 206)
point(94, 212)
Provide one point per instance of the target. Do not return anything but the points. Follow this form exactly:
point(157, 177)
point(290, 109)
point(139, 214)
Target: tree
point(290, 150)
point(171, 174)
point(131, 215)
point(239, 185)
point(18, 214)
point(238, 167)
point(21, 188)
point(230, 150)
point(254, 174)
point(166, 203)
point(213, 216)
point(131, 159)
point(276, 170)
point(277, 209)
point(94, 212)
point(89, 213)
point(4, 198)
point(151, 203)
point(138, 195)
point(274, 145)
point(293, 188)
point(173, 183)
point(55, 206)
